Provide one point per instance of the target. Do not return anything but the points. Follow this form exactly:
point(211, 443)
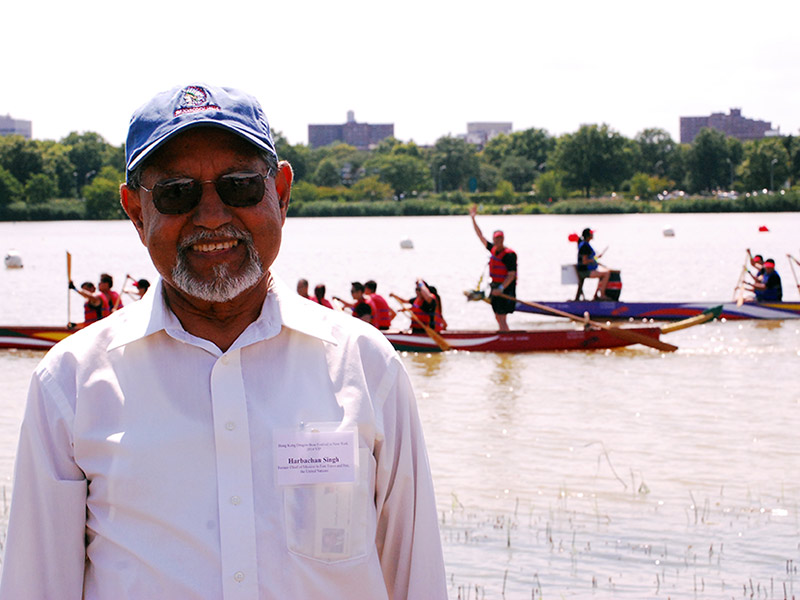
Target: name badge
point(311, 456)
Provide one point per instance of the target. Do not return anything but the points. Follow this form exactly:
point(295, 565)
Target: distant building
point(361, 135)
point(734, 125)
point(480, 133)
point(9, 126)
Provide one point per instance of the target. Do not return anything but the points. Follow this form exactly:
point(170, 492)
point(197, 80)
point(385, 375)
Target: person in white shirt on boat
point(222, 437)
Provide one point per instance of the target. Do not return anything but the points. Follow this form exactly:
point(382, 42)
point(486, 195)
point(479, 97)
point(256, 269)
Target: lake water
point(606, 474)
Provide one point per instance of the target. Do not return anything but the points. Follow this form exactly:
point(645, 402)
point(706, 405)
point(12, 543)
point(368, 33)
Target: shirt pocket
point(328, 521)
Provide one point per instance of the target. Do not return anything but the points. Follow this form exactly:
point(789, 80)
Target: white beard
point(224, 286)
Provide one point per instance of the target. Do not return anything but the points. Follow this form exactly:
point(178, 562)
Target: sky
point(429, 67)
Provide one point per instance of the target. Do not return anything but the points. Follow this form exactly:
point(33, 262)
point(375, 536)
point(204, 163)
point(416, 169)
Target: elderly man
point(222, 437)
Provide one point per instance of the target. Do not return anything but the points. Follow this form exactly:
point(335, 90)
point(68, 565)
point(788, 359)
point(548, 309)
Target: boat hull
point(670, 311)
point(32, 338)
point(517, 341)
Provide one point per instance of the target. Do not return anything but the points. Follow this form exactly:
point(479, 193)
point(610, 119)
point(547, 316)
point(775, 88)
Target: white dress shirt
point(146, 464)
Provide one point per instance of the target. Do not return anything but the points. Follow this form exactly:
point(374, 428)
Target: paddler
point(589, 267)
point(96, 306)
point(768, 288)
point(502, 271)
point(382, 319)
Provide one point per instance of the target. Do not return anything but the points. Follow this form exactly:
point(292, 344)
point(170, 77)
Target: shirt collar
point(282, 308)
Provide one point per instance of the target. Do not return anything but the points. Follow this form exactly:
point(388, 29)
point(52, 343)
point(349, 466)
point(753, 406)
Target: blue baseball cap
point(181, 108)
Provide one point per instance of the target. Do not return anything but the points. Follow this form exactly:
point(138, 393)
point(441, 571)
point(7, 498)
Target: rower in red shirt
point(383, 313)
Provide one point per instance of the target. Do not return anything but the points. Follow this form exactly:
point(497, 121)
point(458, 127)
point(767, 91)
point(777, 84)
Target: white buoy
point(669, 232)
point(406, 244)
point(13, 260)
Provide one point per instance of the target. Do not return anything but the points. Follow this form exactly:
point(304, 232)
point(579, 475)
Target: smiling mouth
point(214, 247)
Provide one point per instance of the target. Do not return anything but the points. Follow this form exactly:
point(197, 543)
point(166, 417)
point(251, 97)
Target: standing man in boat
point(165, 451)
point(502, 272)
point(589, 267)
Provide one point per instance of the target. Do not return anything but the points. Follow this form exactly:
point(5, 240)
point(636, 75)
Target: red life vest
point(381, 313)
point(95, 313)
point(324, 302)
point(497, 270)
point(433, 320)
point(113, 299)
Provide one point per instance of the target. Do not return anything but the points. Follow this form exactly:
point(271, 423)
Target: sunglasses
point(180, 195)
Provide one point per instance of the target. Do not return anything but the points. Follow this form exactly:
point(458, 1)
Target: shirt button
point(230, 425)
point(235, 500)
point(238, 576)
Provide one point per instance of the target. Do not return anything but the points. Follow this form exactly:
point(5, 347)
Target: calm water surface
point(607, 474)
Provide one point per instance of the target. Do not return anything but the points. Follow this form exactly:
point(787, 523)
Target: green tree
point(707, 162)
point(647, 187)
point(766, 164)
point(488, 177)
point(21, 157)
point(303, 191)
point(595, 157)
point(505, 192)
point(299, 155)
point(327, 173)
point(102, 195)
point(453, 162)
point(404, 173)
point(532, 144)
point(348, 160)
point(549, 186)
point(656, 151)
point(10, 188)
point(496, 149)
point(114, 157)
point(792, 145)
point(371, 188)
point(520, 171)
point(87, 151)
point(40, 188)
point(56, 163)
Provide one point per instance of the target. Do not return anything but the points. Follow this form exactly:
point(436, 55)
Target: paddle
point(623, 334)
point(710, 313)
point(793, 260)
point(440, 341)
point(69, 294)
point(739, 291)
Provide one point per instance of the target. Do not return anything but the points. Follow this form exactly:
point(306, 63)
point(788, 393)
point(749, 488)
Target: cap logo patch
point(194, 99)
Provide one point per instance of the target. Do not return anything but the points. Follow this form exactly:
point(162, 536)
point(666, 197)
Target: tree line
point(79, 176)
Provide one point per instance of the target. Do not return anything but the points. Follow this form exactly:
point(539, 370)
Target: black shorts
point(503, 306)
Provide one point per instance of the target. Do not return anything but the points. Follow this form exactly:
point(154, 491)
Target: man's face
point(214, 252)
point(103, 287)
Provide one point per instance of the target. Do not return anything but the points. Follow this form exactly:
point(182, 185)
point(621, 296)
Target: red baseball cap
point(498, 233)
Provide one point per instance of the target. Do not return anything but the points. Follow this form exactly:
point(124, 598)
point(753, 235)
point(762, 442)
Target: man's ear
point(283, 184)
point(132, 206)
